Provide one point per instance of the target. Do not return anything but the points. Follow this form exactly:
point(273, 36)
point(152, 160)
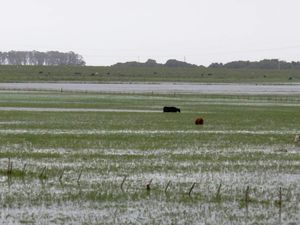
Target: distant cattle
point(199, 121)
point(171, 109)
point(297, 138)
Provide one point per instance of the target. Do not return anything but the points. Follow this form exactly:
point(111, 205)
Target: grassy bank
point(143, 74)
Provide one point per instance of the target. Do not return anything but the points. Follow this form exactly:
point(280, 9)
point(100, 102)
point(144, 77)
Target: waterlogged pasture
point(86, 159)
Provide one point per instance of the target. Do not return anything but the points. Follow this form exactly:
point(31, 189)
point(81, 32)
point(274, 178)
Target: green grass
point(245, 141)
point(143, 74)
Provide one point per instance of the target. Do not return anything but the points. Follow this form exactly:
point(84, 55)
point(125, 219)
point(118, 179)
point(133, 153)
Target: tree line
point(50, 58)
point(153, 63)
point(273, 64)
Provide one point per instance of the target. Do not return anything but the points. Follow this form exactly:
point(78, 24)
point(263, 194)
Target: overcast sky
point(108, 31)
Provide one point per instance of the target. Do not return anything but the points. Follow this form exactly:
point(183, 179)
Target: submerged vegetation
point(241, 166)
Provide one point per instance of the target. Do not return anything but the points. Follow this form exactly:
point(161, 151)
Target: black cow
point(171, 109)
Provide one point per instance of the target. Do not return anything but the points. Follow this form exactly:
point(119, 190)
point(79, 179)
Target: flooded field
point(159, 88)
point(74, 158)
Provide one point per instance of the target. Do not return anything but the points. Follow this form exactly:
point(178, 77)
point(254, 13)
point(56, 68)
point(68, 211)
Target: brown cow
point(199, 121)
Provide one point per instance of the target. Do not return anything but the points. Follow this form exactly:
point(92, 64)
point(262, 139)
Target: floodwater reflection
point(159, 87)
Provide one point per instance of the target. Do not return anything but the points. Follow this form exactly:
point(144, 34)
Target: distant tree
point(3, 58)
point(148, 63)
point(151, 62)
point(295, 65)
point(53, 58)
point(129, 64)
point(216, 65)
point(237, 64)
point(39, 58)
point(176, 63)
point(267, 64)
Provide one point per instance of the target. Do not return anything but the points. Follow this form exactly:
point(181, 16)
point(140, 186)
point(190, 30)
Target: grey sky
point(106, 32)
